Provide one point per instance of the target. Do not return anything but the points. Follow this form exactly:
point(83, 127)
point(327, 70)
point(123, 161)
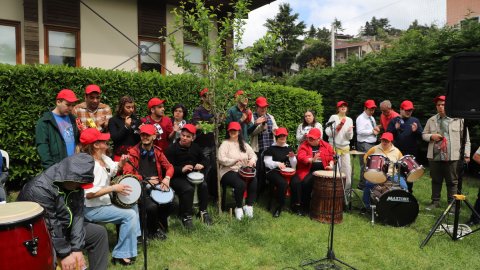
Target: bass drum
point(25, 242)
point(394, 206)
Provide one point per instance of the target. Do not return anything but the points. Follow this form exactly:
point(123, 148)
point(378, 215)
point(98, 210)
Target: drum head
point(16, 212)
point(324, 174)
point(374, 176)
point(136, 190)
point(415, 174)
point(397, 208)
point(195, 177)
point(162, 197)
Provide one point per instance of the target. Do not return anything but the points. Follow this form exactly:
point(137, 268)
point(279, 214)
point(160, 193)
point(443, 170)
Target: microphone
point(328, 124)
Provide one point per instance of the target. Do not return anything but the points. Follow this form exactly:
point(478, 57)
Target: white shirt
point(343, 137)
point(301, 131)
point(102, 176)
point(365, 128)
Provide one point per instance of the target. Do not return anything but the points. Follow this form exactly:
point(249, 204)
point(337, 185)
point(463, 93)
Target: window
point(194, 54)
point(10, 43)
point(62, 47)
point(150, 56)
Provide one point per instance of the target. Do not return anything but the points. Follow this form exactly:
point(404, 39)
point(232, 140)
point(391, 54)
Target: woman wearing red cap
point(313, 154)
point(98, 206)
point(278, 157)
point(343, 130)
point(234, 153)
point(309, 122)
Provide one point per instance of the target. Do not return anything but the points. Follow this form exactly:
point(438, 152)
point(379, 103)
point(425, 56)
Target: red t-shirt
point(384, 120)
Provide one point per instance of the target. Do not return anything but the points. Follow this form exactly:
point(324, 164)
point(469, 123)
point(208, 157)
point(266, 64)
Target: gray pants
point(440, 170)
point(96, 244)
point(363, 147)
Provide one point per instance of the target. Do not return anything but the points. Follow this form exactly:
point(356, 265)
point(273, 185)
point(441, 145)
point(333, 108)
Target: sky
point(352, 13)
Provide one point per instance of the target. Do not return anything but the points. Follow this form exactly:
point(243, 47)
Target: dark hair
point(184, 110)
point(241, 142)
point(314, 118)
point(121, 104)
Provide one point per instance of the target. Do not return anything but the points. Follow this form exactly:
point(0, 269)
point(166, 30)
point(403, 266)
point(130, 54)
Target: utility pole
point(333, 44)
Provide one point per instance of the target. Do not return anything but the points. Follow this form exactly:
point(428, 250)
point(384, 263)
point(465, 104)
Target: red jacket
point(167, 127)
point(305, 153)
point(161, 161)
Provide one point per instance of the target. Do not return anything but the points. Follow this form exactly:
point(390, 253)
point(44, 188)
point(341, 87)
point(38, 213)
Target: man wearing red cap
point(160, 121)
point(367, 131)
point(186, 157)
point(313, 154)
point(261, 135)
point(148, 162)
point(387, 149)
point(56, 133)
point(240, 113)
point(387, 113)
point(407, 131)
point(444, 136)
point(91, 112)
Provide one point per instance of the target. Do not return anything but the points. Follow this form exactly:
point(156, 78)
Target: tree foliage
point(312, 52)
point(378, 27)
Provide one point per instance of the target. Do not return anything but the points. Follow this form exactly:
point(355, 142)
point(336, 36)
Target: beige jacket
point(455, 130)
point(229, 155)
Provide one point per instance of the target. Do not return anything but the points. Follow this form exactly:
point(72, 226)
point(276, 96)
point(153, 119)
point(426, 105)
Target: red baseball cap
point(148, 129)
point(261, 102)
point(92, 88)
point(91, 135)
point(281, 131)
point(203, 92)
point(314, 133)
point(67, 95)
point(234, 126)
point(239, 93)
point(190, 128)
point(387, 136)
point(439, 98)
point(155, 102)
point(406, 105)
point(370, 104)
point(341, 103)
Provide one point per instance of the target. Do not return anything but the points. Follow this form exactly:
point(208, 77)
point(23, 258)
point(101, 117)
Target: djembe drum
point(322, 201)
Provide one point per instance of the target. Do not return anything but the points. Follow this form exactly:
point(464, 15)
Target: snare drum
point(410, 168)
point(195, 178)
point(25, 241)
point(162, 197)
point(376, 169)
point(322, 202)
point(126, 201)
point(394, 206)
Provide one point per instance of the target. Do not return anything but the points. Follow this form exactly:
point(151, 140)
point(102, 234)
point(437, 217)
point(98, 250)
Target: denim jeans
point(129, 221)
point(367, 191)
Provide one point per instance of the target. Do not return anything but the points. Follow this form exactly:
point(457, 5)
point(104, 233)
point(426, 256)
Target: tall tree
point(378, 27)
point(312, 33)
point(324, 34)
point(287, 30)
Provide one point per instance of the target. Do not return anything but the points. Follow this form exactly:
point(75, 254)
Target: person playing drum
point(387, 149)
point(313, 154)
point(309, 122)
point(343, 129)
point(59, 191)
point(98, 206)
point(186, 157)
point(234, 153)
point(278, 157)
point(147, 162)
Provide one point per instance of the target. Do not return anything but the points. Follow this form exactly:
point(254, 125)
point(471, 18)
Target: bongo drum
point(287, 174)
point(376, 169)
point(196, 178)
point(25, 241)
point(410, 168)
point(126, 201)
point(322, 203)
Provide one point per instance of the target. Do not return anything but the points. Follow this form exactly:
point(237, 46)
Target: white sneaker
point(248, 211)
point(239, 213)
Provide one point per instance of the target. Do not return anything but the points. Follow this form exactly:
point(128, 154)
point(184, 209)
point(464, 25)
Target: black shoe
point(277, 212)
point(187, 222)
point(122, 261)
point(297, 209)
point(366, 210)
point(205, 217)
point(159, 234)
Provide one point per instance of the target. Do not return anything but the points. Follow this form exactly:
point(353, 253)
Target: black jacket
point(180, 156)
point(63, 208)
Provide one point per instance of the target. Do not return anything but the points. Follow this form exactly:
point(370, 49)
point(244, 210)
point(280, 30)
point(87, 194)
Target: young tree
point(324, 34)
point(312, 33)
point(260, 56)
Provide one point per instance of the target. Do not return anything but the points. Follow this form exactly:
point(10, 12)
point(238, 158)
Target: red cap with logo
point(387, 136)
point(92, 88)
point(314, 133)
point(91, 135)
point(148, 129)
point(341, 103)
point(234, 126)
point(261, 102)
point(67, 95)
point(239, 93)
point(281, 131)
point(439, 98)
point(369, 104)
point(190, 128)
point(406, 105)
point(203, 92)
point(155, 102)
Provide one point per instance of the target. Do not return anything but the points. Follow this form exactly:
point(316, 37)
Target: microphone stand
point(330, 258)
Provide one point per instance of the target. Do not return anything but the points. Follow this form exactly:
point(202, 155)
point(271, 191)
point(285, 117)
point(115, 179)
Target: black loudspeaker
point(463, 90)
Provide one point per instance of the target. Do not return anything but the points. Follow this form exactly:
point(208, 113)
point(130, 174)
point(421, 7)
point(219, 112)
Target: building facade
point(458, 10)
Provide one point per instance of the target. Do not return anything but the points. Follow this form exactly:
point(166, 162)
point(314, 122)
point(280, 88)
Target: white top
point(365, 128)
point(301, 132)
point(342, 137)
point(101, 180)
point(269, 163)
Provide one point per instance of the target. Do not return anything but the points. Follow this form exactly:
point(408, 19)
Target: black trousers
point(302, 190)
point(96, 244)
point(157, 215)
point(281, 185)
point(234, 180)
point(185, 191)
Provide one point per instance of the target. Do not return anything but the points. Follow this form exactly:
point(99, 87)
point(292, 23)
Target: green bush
point(28, 91)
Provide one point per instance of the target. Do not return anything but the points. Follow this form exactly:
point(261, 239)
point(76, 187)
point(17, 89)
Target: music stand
point(328, 262)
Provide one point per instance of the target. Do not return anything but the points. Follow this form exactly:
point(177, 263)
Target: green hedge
point(28, 91)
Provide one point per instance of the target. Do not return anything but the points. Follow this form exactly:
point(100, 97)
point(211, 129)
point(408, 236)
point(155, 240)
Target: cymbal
point(355, 152)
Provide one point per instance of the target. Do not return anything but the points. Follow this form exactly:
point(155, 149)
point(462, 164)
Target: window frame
point(189, 43)
point(18, 38)
point(162, 53)
point(74, 31)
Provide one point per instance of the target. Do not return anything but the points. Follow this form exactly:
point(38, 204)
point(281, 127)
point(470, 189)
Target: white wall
point(170, 59)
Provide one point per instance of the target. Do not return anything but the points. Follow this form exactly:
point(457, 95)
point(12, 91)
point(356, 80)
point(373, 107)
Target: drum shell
point(394, 206)
point(322, 199)
point(410, 168)
point(376, 169)
point(14, 254)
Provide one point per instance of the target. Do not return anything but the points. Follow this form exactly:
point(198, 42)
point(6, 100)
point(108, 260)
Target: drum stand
point(328, 262)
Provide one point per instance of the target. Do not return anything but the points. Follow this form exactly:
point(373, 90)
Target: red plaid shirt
point(102, 113)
